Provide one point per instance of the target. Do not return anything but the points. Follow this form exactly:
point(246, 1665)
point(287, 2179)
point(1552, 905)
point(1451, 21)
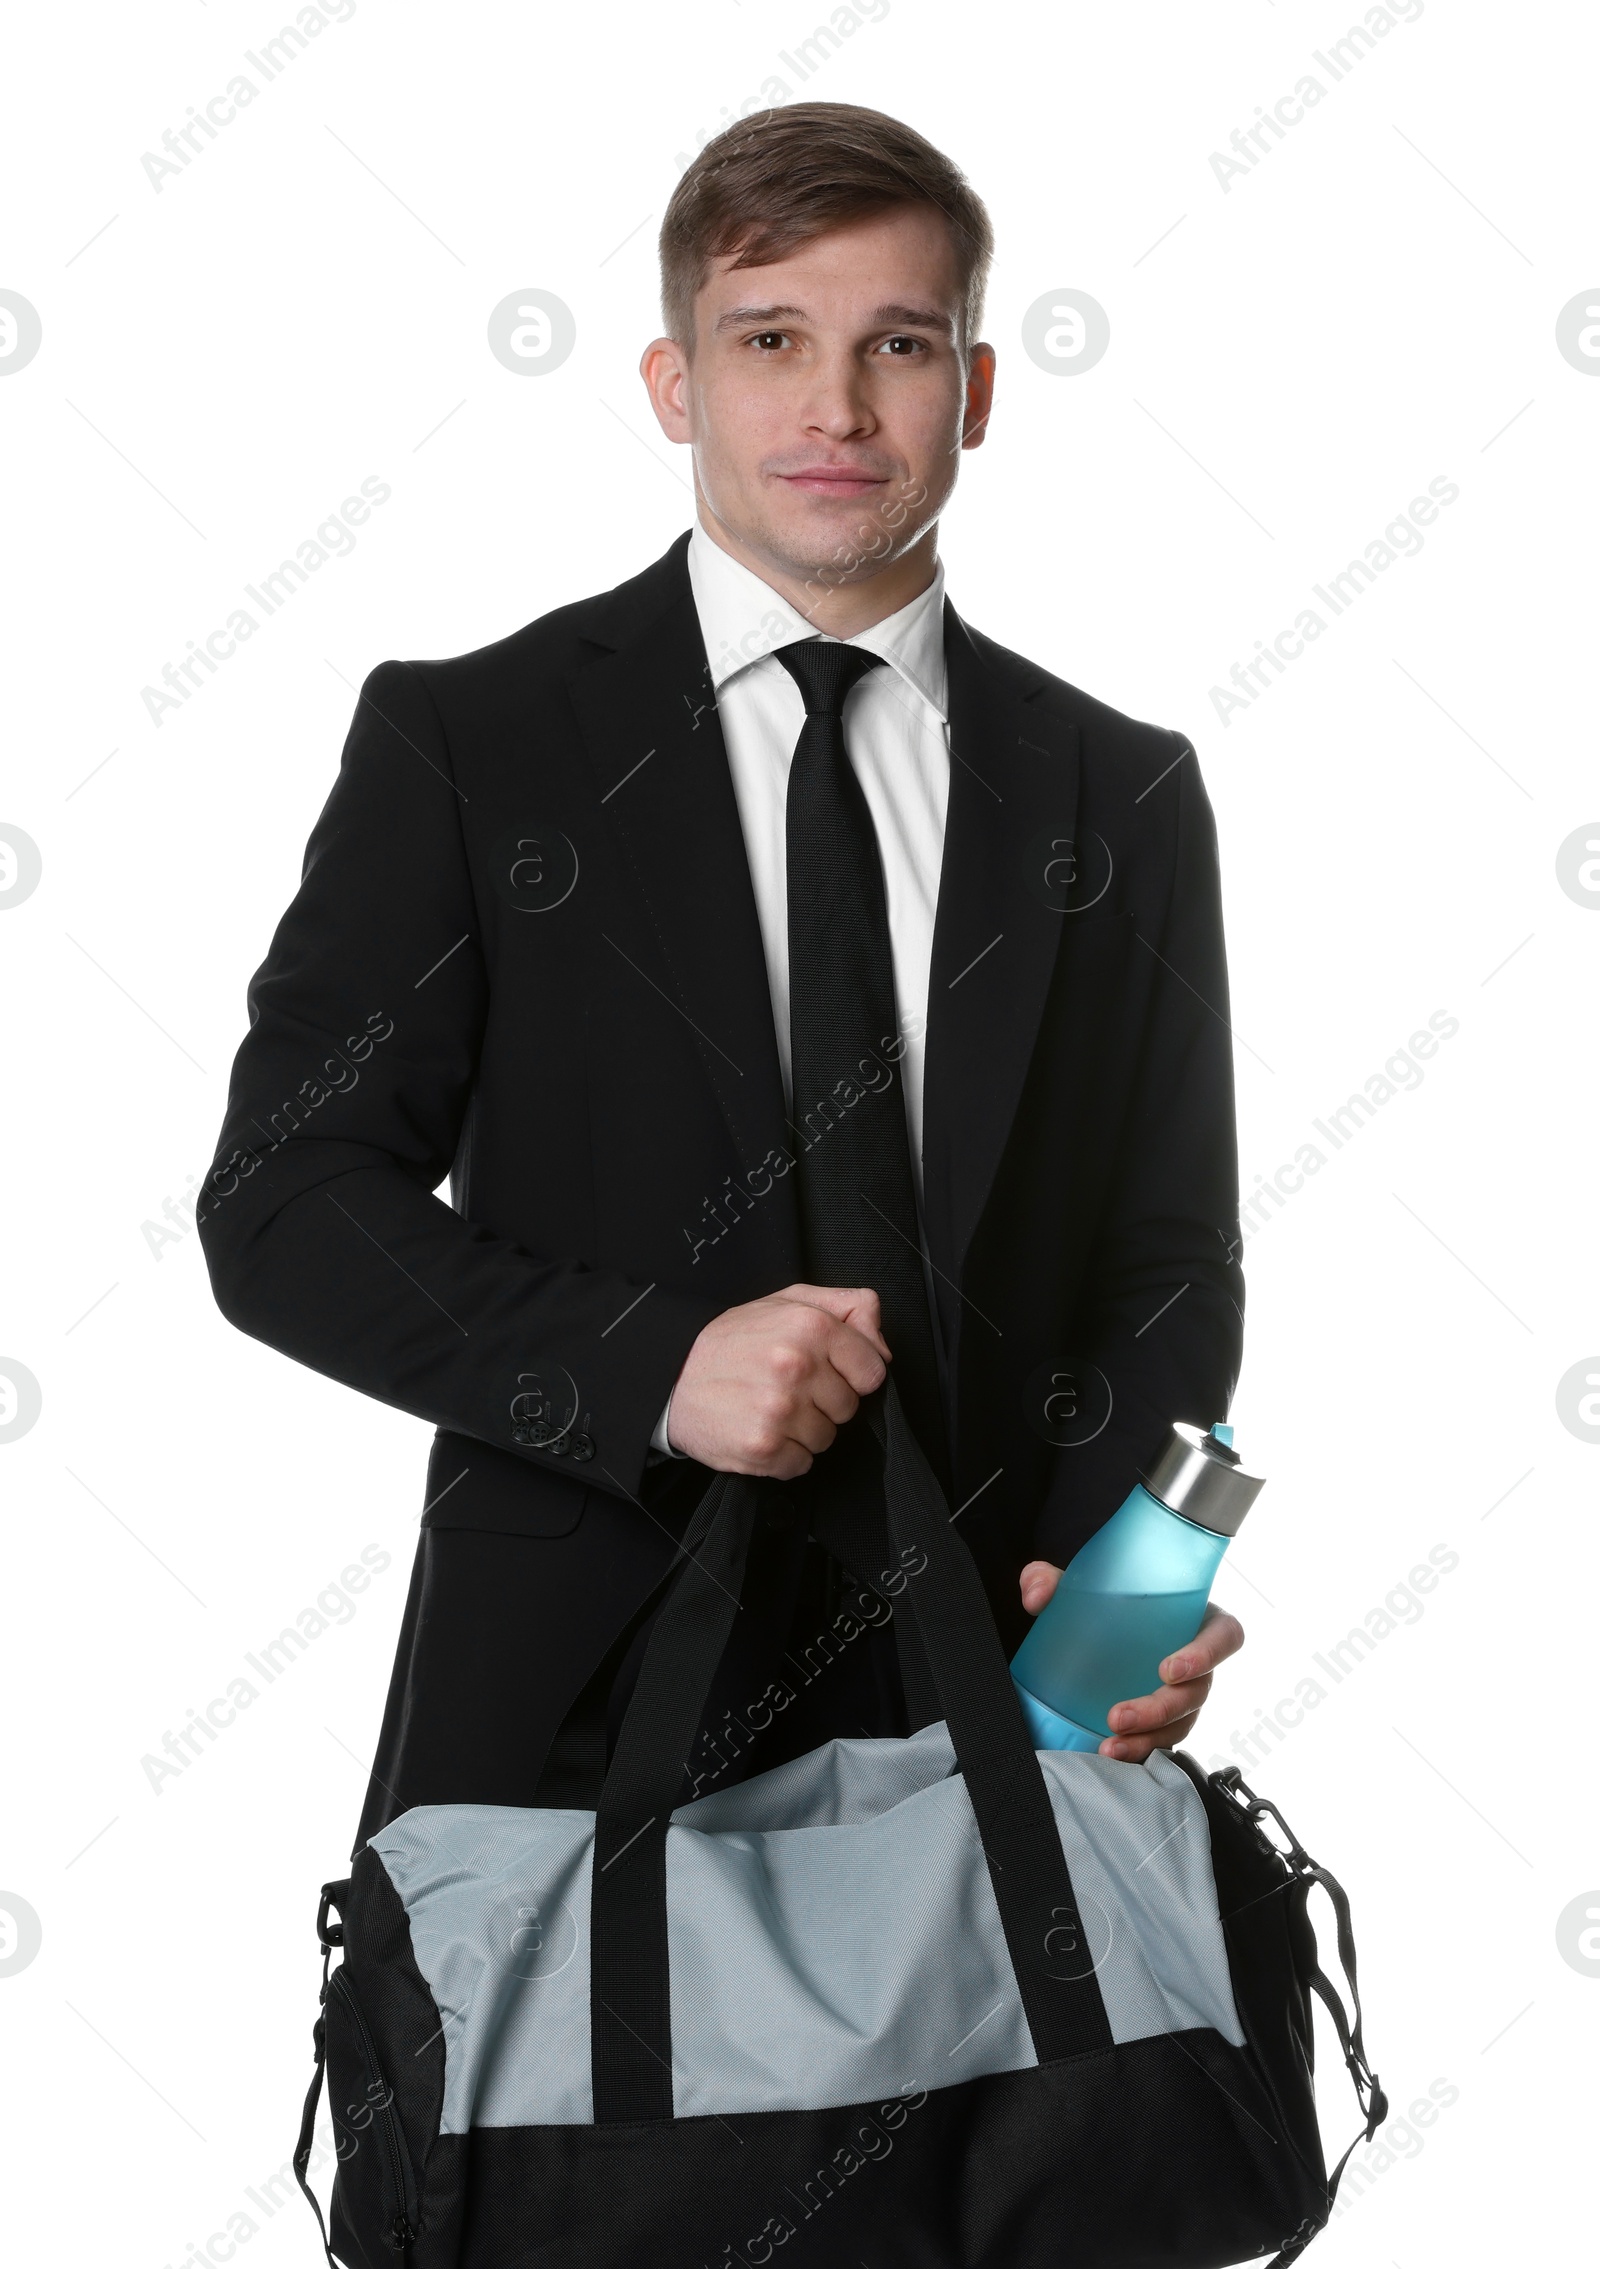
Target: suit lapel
point(656, 756)
point(1013, 797)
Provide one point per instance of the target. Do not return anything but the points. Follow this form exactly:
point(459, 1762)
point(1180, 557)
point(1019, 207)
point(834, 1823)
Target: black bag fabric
point(480, 2126)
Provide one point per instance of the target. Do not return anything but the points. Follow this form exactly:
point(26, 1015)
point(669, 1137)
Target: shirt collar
point(744, 619)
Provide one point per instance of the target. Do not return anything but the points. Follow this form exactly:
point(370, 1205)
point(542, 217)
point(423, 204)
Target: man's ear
point(664, 367)
point(980, 395)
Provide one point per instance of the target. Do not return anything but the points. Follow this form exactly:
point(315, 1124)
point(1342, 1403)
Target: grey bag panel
point(498, 1902)
point(1137, 1845)
point(822, 1965)
point(855, 1954)
point(838, 1785)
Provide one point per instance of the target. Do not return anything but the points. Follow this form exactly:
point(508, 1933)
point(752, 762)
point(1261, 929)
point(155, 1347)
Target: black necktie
point(858, 1208)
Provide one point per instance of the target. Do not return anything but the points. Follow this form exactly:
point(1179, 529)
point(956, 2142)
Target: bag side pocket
point(377, 2181)
point(1271, 1954)
point(396, 2192)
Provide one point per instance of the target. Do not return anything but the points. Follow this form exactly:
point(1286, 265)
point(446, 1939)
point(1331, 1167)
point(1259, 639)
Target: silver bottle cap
point(1199, 1478)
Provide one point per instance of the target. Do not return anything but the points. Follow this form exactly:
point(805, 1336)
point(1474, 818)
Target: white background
point(1292, 359)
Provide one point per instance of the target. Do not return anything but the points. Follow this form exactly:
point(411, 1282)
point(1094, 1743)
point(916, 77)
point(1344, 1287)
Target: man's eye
point(901, 341)
point(769, 339)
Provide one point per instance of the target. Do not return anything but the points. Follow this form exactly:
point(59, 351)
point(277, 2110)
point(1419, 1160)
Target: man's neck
point(842, 610)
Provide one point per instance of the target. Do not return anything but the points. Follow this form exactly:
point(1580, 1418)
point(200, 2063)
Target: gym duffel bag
point(939, 2003)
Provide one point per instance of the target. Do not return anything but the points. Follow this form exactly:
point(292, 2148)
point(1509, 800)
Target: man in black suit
point(793, 983)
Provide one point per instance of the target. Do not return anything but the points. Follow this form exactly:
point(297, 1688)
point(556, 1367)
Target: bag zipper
point(403, 2229)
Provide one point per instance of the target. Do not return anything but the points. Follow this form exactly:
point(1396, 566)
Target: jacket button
point(523, 1434)
point(582, 1448)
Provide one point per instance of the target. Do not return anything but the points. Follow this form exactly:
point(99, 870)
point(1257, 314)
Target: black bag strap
point(329, 1935)
point(1369, 2093)
point(630, 1995)
point(1010, 1798)
point(631, 2034)
point(855, 1535)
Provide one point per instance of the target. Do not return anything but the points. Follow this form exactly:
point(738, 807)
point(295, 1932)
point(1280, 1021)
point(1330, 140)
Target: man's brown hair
point(770, 183)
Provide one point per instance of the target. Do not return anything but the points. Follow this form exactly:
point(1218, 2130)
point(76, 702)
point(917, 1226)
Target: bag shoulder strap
point(329, 1935)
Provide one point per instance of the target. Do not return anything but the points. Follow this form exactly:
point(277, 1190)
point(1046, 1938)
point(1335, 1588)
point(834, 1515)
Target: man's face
point(825, 399)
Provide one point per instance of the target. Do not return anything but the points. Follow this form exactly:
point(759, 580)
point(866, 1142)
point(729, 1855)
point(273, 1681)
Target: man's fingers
point(865, 1314)
point(1164, 1718)
point(1038, 1583)
point(787, 1465)
point(783, 1441)
point(856, 1305)
point(812, 1428)
point(1148, 1713)
point(833, 1394)
point(858, 1361)
point(1134, 1750)
point(1219, 1636)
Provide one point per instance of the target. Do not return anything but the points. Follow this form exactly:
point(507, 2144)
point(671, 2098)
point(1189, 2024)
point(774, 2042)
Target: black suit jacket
point(524, 955)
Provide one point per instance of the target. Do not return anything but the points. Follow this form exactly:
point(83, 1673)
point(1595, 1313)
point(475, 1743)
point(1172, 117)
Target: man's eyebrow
point(917, 318)
point(895, 311)
point(736, 317)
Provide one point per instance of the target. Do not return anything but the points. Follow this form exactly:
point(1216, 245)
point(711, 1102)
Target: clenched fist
point(767, 1386)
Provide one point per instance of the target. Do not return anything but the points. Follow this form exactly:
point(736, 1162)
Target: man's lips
point(833, 480)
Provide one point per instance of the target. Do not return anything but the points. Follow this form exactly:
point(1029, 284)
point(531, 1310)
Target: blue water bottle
point(1135, 1593)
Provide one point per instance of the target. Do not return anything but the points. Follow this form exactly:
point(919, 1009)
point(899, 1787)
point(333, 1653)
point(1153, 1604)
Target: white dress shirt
point(896, 730)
